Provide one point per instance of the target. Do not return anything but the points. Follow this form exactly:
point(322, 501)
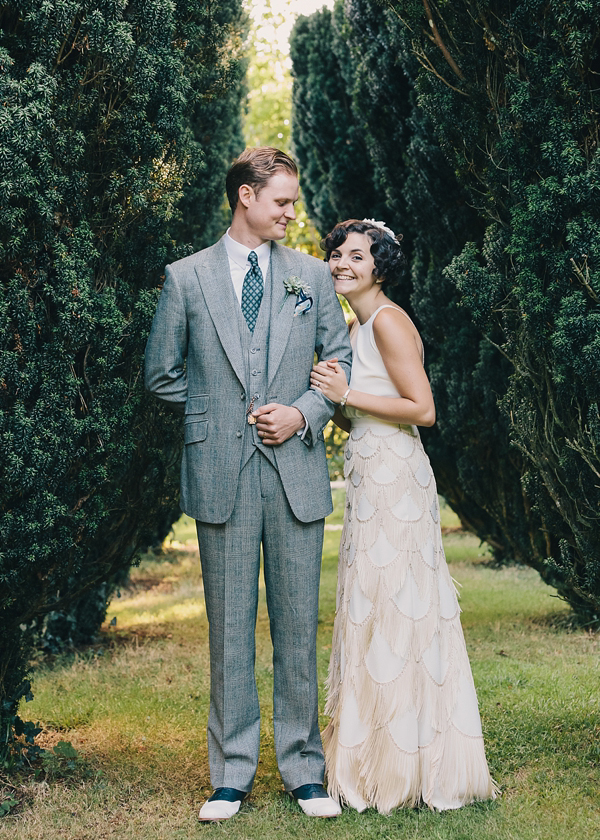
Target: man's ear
point(245, 194)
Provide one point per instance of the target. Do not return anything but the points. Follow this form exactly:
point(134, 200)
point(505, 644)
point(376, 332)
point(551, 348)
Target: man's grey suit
point(202, 359)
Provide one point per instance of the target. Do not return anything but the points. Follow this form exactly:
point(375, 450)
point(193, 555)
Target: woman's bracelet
point(344, 398)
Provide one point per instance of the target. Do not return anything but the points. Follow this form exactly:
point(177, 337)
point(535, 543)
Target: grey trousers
point(230, 557)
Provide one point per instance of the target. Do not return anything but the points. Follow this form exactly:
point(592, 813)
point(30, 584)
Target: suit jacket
point(194, 361)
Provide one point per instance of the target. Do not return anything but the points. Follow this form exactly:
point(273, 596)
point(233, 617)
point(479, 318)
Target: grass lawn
point(135, 708)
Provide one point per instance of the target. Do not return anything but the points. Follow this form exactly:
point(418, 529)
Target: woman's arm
point(396, 340)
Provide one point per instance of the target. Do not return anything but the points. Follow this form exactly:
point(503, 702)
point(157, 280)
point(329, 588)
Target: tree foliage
point(493, 160)
point(517, 114)
point(397, 172)
point(328, 142)
point(96, 147)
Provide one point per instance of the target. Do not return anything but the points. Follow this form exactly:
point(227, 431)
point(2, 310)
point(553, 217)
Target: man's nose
point(290, 213)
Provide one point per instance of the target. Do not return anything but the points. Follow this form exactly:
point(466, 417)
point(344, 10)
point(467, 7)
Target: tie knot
point(253, 259)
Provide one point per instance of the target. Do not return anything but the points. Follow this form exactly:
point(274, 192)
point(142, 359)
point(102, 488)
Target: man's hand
point(277, 423)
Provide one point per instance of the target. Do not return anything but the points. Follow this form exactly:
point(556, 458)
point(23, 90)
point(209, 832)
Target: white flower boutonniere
point(295, 286)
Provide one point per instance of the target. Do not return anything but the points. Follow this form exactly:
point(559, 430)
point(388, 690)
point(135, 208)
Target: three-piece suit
point(202, 358)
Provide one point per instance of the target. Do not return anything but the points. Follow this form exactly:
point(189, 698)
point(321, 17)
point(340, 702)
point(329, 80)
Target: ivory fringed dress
point(404, 722)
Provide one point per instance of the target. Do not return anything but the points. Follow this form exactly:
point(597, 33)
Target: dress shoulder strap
point(391, 306)
point(398, 309)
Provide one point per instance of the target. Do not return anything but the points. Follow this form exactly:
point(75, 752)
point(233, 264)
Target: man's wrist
point(302, 428)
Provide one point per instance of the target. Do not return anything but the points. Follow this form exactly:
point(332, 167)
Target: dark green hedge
point(96, 142)
point(491, 165)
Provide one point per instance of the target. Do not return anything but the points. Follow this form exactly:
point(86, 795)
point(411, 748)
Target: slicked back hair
point(254, 167)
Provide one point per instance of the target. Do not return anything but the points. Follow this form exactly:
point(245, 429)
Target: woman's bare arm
point(399, 345)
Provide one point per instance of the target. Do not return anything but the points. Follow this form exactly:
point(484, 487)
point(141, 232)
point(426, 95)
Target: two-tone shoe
point(315, 801)
point(222, 805)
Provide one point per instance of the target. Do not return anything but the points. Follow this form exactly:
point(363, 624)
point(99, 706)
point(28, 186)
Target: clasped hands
point(277, 423)
point(329, 378)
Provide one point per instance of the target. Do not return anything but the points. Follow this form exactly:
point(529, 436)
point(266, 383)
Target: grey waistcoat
point(255, 347)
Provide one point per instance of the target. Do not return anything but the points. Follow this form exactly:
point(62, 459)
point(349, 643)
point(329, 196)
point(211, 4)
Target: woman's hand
point(329, 378)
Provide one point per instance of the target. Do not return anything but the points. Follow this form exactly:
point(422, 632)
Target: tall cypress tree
point(498, 175)
point(511, 91)
point(328, 142)
point(419, 196)
point(94, 155)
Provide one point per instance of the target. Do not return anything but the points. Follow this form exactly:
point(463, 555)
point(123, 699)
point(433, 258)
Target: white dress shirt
point(239, 266)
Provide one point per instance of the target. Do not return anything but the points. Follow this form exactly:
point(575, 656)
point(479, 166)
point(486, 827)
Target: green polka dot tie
point(252, 292)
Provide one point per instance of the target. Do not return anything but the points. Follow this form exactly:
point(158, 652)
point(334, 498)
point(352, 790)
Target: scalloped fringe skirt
point(404, 722)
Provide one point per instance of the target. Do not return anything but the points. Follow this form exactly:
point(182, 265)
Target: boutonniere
point(294, 286)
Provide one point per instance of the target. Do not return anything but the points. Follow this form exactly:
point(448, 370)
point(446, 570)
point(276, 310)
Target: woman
point(404, 723)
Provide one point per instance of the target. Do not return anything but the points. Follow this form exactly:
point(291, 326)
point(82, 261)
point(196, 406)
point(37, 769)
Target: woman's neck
point(365, 305)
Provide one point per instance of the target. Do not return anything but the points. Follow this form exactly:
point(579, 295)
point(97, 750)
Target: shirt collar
point(238, 253)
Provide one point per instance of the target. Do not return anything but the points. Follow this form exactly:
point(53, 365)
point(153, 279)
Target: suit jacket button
point(238, 434)
point(243, 397)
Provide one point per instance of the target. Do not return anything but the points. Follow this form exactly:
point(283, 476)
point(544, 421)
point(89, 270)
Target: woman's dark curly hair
point(386, 251)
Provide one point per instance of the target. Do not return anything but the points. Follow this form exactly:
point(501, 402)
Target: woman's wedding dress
point(404, 722)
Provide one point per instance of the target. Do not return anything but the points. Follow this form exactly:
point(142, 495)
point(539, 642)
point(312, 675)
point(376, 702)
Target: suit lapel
point(215, 281)
point(283, 304)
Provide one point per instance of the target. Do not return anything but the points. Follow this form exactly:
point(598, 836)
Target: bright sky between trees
point(268, 117)
point(290, 9)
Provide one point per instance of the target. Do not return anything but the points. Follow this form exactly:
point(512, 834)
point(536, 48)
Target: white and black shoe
point(315, 801)
point(223, 804)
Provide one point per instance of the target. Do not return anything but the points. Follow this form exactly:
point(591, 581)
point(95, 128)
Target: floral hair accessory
point(383, 227)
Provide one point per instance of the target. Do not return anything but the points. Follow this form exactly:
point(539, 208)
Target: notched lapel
point(282, 305)
point(214, 278)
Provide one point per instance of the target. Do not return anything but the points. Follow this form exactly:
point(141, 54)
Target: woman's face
point(352, 265)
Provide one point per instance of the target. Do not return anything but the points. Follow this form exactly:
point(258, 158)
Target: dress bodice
point(369, 373)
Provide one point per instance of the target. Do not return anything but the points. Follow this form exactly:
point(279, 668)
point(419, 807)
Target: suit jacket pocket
point(194, 430)
point(197, 404)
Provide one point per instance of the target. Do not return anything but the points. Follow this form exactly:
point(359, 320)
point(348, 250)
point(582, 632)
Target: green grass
point(135, 708)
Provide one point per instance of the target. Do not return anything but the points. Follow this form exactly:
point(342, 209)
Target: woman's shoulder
point(392, 324)
point(391, 316)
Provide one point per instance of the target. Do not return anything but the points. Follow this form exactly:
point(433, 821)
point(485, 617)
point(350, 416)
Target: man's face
point(270, 211)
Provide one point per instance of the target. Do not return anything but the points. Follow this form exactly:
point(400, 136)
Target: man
point(232, 345)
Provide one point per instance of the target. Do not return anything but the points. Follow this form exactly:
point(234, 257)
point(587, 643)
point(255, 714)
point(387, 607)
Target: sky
point(291, 9)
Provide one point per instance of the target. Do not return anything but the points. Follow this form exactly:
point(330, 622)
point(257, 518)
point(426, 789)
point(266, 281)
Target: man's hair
point(254, 167)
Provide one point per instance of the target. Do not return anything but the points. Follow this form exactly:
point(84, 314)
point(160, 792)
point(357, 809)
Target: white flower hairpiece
point(383, 227)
